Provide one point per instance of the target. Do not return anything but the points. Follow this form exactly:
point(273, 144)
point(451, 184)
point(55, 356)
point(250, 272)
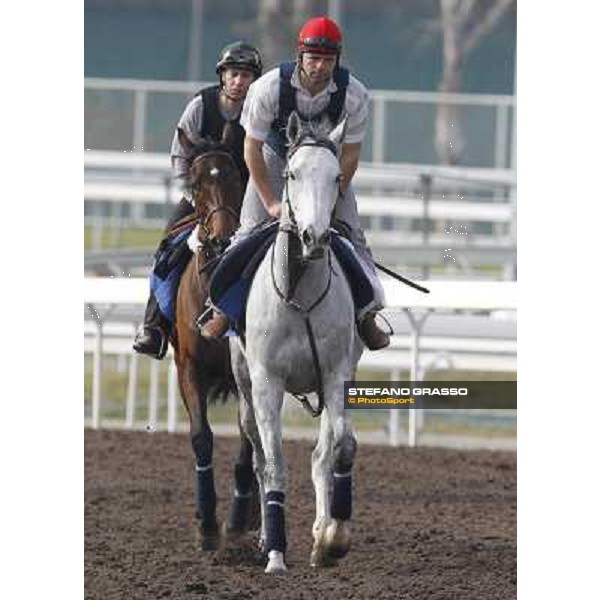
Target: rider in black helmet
point(204, 117)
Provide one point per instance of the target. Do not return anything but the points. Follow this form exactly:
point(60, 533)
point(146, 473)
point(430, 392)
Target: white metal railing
point(500, 106)
point(368, 174)
point(103, 295)
point(142, 180)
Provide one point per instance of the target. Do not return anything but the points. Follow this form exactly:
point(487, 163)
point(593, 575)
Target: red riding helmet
point(320, 35)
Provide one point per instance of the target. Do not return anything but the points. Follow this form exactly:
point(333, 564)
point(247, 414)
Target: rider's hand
point(275, 210)
point(188, 194)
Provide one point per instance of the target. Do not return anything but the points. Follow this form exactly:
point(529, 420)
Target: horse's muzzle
point(313, 247)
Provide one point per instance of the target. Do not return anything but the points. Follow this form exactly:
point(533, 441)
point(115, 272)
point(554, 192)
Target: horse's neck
point(302, 282)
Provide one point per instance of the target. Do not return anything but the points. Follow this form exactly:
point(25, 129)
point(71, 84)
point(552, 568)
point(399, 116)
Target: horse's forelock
point(322, 169)
point(312, 140)
point(205, 146)
point(204, 197)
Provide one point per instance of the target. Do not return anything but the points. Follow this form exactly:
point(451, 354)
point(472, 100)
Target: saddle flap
point(231, 281)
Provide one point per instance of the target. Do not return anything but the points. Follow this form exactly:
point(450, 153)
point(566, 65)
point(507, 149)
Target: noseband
point(213, 248)
point(204, 222)
point(289, 301)
point(303, 142)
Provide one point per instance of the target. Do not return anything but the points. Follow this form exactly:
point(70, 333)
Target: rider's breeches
point(254, 212)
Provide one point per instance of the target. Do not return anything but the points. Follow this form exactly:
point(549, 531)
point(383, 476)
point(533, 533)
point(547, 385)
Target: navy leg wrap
point(275, 517)
point(240, 509)
point(243, 478)
point(341, 502)
point(206, 495)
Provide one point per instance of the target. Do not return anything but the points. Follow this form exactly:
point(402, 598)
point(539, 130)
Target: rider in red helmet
point(320, 35)
point(321, 92)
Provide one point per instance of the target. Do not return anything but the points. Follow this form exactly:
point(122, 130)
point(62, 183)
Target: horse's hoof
point(319, 558)
point(337, 539)
point(208, 540)
point(233, 536)
point(210, 543)
point(261, 546)
point(276, 563)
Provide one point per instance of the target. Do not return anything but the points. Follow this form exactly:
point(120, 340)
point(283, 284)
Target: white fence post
point(394, 423)
point(378, 130)
point(416, 325)
point(139, 120)
point(153, 399)
point(172, 397)
point(131, 391)
point(97, 376)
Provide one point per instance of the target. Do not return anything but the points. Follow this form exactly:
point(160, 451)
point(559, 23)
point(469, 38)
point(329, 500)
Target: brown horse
point(203, 364)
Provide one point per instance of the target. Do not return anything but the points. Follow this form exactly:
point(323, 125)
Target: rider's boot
point(152, 337)
point(371, 335)
point(216, 327)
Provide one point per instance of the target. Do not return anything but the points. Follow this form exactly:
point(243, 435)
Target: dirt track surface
point(427, 523)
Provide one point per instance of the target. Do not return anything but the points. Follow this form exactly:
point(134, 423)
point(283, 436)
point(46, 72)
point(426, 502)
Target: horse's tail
point(218, 373)
point(222, 390)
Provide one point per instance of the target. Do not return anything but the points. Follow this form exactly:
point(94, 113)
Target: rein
point(292, 229)
point(212, 248)
point(303, 142)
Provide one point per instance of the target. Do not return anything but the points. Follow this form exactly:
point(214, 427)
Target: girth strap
point(319, 376)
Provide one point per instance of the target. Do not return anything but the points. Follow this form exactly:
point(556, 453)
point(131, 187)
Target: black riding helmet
point(241, 55)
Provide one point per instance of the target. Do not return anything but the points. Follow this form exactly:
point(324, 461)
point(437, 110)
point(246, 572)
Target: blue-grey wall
point(388, 49)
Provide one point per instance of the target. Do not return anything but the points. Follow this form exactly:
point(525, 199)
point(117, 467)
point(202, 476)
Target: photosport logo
point(430, 394)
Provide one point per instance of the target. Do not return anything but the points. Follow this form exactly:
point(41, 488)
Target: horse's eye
point(291, 176)
point(339, 178)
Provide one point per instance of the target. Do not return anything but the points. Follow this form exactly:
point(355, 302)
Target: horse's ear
point(339, 132)
point(228, 135)
point(184, 141)
point(294, 126)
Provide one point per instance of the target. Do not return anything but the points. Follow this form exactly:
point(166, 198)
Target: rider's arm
point(258, 171)
point(349, 164)
point(357, 106)
point(259, 111)
point(190, 124)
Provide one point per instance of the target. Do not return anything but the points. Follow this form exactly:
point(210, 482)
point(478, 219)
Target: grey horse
point(300, 286)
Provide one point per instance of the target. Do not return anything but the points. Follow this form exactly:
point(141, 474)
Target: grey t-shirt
point(190, 123)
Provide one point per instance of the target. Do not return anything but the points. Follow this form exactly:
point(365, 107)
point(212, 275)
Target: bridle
point(304, 141)
point(213, 248)
point(291, 228)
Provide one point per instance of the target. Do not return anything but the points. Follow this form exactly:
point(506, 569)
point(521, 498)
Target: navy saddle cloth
point(170, 260)
point(231, 280)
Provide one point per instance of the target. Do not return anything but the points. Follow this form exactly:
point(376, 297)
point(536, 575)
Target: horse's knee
point(344, 452)
point(320, 460)
point(248, 423)
point(318, 454)
point(202, 443)
point(275, 476)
